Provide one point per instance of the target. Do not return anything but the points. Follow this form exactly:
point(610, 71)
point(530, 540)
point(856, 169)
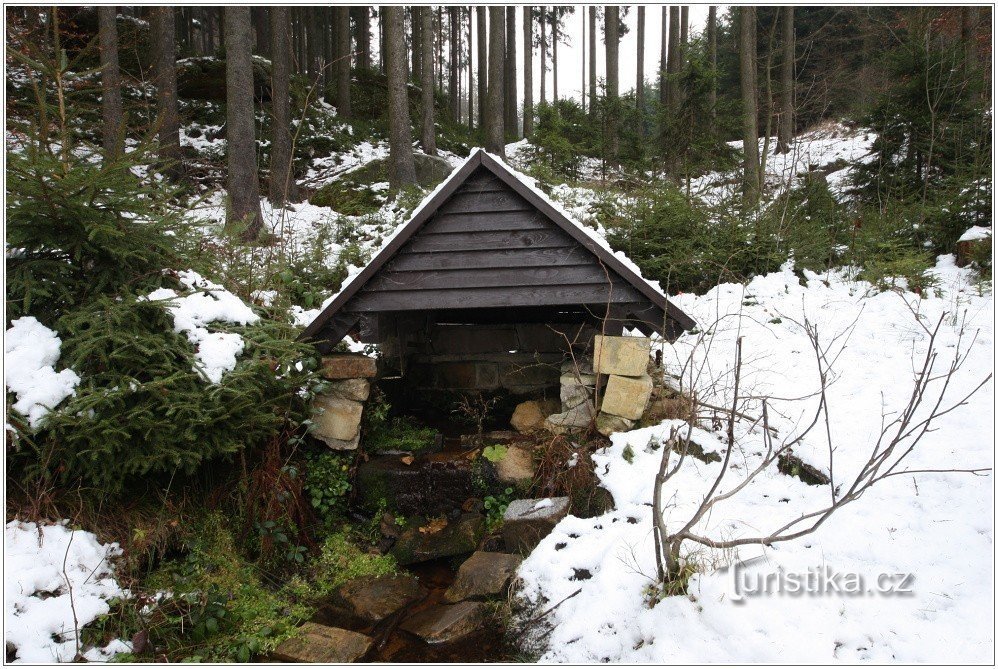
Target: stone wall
point(337, 413)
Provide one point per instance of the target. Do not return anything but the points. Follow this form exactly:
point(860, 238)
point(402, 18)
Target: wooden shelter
point(488, 270)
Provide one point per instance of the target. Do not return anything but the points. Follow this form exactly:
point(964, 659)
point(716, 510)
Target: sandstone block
point(483, 575)
point(527, 521)
point(627, 397)
point(623, 356)
point(349, 366)
point(516, 466)
point(446, 623)
point(529, 416)
point(323, 644)
point(356, 390)
point(336, 419)
point(607, 424)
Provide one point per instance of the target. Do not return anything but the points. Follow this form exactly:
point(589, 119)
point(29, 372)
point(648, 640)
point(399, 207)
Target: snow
point(209, 303)
point(40, 595)
point(975, 233)
point(938, 527)
point(31, 351)
point(543, 503)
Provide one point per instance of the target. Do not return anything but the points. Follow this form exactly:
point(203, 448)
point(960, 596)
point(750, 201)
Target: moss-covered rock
point(457, 537)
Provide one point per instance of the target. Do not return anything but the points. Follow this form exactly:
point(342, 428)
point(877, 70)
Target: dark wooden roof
point(487, 240)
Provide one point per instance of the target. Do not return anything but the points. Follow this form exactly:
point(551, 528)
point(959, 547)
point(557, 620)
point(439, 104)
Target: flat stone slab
point(607, 424)
point(527, 521)
point(456, 538)
point(372, 599)
point(349, 366)
point(483, 575)
point(627, 397)
point(357, 390)
point(624, 356)
point(447, 622)
point(324, 645)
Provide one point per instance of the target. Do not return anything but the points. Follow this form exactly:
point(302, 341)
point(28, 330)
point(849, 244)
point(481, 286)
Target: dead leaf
point(434, 526)
point(407, 459)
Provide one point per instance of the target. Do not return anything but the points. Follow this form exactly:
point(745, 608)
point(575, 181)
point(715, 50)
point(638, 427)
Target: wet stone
point(483, 575)
point(457, 537)
point(373, 599)
point(323, 644)
point(447, 622)
point(527, 521)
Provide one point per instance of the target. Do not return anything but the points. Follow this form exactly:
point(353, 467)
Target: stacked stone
point(337, 412)
point(624, 360)
point(578, 385)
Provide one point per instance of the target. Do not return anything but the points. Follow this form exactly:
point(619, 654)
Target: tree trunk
point(639, 89)
point(113, 123)
point(785, 132)
point(544, 55)
point(555, 38)
point(283, 187)
point(402, 169)
point(612, 28)
point(363, 37)
point(416, 44)
point(382, 42)
point(494, 132)
point(712, 60)
point(452, 88)
point(528, 72)
point(428, 138)
point(750, 113)
point(593, 93)
point(672, 95)
point(261, 30)
point(342, 57)
point(483, 62)
point(511, 122)
point(583, 40)
point(663, 62)
point(243, 214)
point(166, 91)
point(471, 70)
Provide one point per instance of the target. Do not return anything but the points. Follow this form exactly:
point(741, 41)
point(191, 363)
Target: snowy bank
point(54, 576)
point(937, 527)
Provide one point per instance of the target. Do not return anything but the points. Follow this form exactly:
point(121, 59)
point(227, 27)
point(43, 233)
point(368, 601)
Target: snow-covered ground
point(56, 581)
point(938, 527)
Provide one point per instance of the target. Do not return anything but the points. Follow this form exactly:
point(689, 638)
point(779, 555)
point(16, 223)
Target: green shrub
point(327, 484)
point(340, 561)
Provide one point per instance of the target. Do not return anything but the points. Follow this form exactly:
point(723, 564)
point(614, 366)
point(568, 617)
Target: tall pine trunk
point(592, 61)
point(672, 93)
point(342, 55)
point(168, 118)
point(483, 62)
point(612, 29)
point(712, 61)
point(402, 169)
point(452, 87)
point(428, 136)
point(113, 123)
point(494, 132)
point(471, 70)
point(243, 214)
point(283, 187)
point(785, 131)
point(555, 20)
point(511, 121)
point(544, 55)
point(528, 71)
point(639, 88)
point(750, 112)
point(363, 37)
point(663, 62)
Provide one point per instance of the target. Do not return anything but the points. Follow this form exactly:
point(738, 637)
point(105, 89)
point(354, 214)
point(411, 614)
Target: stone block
point(372, 599)
point(527, 521)
point(627, 397)
point(607, 424)
point(623, 356)
point(530, 373)
point(349, 366)
point(336, 419)
point(357, 390)
point(576, 418)
point(324, 645)
point(576, 389)
point(445, 623)
point(516, 466)
point(529, 416)
point(483, 575)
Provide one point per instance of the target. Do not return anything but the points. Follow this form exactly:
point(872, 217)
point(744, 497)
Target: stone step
point(483, 575)
point(323, 644)
point(446, 623)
